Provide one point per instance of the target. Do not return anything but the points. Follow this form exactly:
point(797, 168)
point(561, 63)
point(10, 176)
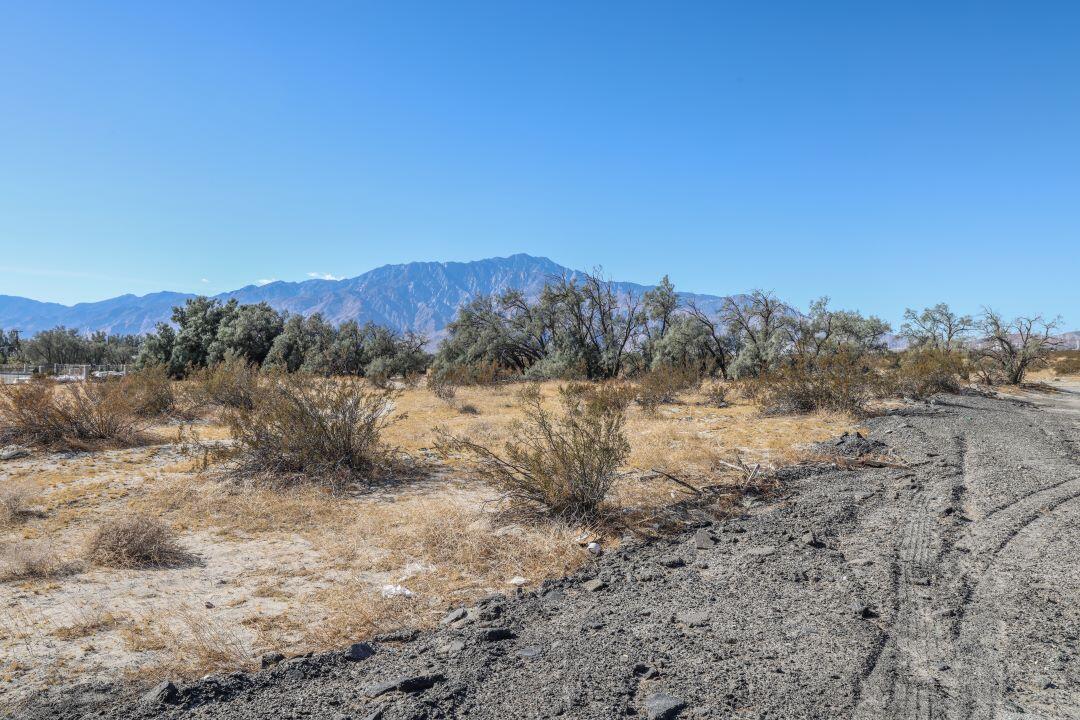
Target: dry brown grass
point(80, 415)
point(135, 541)
point(89, 621)
point(189, 643)
point(319, 558)
point(30, 560)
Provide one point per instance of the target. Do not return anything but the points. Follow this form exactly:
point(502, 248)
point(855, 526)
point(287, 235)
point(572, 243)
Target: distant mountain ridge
point(418, 296)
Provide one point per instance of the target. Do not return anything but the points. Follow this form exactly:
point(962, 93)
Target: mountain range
point(418, 296)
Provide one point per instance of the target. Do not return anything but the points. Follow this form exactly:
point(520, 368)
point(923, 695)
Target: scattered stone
point(672, 561)
point(359, 651)
point(645, 575)
point(810, 539)
point(208, 605)
point(12, 452)
point(164, 693)
point(863, 610)
point(454, 616)
point(270, 659)
point(660, 706)
point(703, 540)
point(517, 581)
point(406, 684)
point(594, 548)
point(555, 595)
point(450, 647)
point(761, 552)
point(594, 585)
point(529, 652)
point(496, 634)
point(402, 636)
point(646, 671)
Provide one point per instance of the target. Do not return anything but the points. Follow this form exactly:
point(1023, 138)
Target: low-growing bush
point(927, 371)
point(304, 428)
point(562, 464)
point(441, 387)
point(716, 394)
point(1066, 363)
point(33, 561)
point(662, 386)
point(838, 382)
point(135, 541)
point(232, 383)
point(72, 415)
point(150, 390)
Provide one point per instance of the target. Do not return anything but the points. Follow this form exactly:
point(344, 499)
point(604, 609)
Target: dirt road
point(947, 590)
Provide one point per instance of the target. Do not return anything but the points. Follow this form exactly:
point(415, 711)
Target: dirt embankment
point(947, 589)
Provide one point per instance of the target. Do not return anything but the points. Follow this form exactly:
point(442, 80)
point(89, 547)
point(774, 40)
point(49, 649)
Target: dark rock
point(496, 634)
point(672, 561)
point(270, 659)
point(863, 610)
point(660, 706)
point(406, 684)
point(398, 636)
point(359, 651)
point(164, 693)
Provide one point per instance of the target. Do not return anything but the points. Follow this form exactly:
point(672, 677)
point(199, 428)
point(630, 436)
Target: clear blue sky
point(886, 154)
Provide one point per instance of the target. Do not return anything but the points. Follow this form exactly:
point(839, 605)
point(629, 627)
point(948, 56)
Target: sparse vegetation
point(232, 383)
point(307, 429)
point(662, 386)
point(561, 464)
point(1013, 347)
point(33, 561)
point(135, 541)
point(74, 415)
point(929, 369)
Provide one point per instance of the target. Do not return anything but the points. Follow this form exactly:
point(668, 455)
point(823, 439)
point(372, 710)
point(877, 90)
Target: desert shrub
point(135, 541)
point(663, 385)
point(15, 505)
point(562, 464)
point(150, 390)
point(838, 382)
point(1067, 363)
point(924, 372)
point(72, 415)
point(32, 561)
point(233, 383)
point(308, 428)
point(441, 387)
point(716, 394)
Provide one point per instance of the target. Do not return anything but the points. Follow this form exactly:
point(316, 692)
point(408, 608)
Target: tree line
point(580, 327)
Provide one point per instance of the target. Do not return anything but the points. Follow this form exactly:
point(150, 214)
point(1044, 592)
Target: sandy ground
point(306, 571)
point(945, 585)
